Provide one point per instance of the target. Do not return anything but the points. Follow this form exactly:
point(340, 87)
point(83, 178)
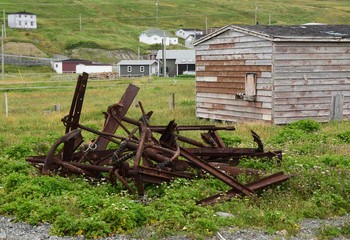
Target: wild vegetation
point(316, 155)
point(111, 24)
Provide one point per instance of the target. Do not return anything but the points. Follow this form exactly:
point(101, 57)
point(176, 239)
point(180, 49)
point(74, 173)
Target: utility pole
point(164, 57)
point(206, 25)
point(138, 53)
point(2, 53)
point(80, 22)
point(270, 19)
point(4, 23)
point(256, 16)
point(157, 14)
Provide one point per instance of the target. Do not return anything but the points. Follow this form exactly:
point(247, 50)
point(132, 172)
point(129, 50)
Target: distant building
point(94, 68)
point(155, 36)
point(24, 20)
point(191, 39)
point(177, 62)
point(185, 32)
point(80, 66)
point(137, 68)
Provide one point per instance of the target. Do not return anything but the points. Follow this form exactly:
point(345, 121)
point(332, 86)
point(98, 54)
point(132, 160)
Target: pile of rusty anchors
point(142, 158)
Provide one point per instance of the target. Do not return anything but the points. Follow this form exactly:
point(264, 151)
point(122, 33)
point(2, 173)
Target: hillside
point(116, 24)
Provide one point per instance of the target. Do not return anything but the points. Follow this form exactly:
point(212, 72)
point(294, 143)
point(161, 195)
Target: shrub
point(344, 136)
point(71, 44)
point(306, 125)
point(231, 141)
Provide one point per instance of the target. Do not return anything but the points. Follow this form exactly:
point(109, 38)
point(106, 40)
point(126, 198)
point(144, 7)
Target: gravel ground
point(10, 230)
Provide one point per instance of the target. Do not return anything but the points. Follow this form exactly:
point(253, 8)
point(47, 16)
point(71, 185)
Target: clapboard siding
point(295, 79)
point(265, 56)
point(221, 67)
point(306, 76)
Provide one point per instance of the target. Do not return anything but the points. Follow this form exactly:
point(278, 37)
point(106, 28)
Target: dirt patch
point(25, 49)
point(101, 55)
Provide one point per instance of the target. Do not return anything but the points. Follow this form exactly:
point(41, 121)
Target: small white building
point(94, 68)
point(23, 20)
point(185, 32)
point(155, 36)
point(80, 66)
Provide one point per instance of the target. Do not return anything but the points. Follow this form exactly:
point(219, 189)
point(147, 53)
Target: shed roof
point(95, 64)
point(136, 62)
point(74, 60)
point(22, 12)
point(191, 29)
point(289, 33)
point(179, 55)
point(155, 31)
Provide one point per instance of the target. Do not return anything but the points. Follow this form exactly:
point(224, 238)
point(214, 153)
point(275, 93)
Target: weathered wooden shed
point(276, 74)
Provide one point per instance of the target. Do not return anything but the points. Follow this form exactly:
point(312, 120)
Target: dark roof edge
point(269, 37)
point(213, 34)
point(22, 12)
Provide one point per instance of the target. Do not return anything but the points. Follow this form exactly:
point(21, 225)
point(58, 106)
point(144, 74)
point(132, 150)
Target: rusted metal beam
point(116, 111)
point(255, 186)
point(217, 173)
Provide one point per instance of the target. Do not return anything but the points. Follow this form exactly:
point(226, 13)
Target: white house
point(155, 36)
point(94, 68)
point(185, 32)
point(24, 20)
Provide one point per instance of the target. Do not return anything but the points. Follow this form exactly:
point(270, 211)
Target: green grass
point(316, 155)
point(117, 24)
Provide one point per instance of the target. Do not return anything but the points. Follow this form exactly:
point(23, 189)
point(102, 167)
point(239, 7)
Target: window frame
point(129, 69)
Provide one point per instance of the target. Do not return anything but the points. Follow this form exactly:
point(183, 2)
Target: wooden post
point(173, 97)
point(336, 111)
point(6, 106)
point(2, 53)
point(171, 101)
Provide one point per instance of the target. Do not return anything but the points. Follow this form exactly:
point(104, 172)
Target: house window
point(142, 68)
point(19, 23)
point(250, 85)
point(19, 16)
point(129, 69)
point(31, 23)
point(56, 65)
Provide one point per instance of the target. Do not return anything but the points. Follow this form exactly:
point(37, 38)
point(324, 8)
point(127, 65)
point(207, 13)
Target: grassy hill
point(112, 24)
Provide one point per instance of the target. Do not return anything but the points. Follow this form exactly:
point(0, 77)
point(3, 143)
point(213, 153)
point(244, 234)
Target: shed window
point(250, 84)
point(129, 68)
point(142, 68)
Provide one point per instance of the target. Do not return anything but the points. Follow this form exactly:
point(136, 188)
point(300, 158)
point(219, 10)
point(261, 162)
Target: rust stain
point(221, 46)
point(219, 106)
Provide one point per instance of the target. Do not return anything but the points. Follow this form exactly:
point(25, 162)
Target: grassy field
point(316, 155)
point(115, 24)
